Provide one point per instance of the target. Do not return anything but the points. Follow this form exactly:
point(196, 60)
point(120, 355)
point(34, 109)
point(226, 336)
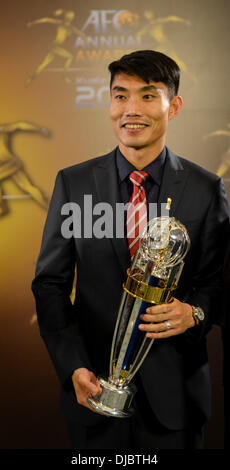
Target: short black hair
point(150, 66)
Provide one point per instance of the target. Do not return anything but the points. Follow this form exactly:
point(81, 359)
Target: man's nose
point(133, 107)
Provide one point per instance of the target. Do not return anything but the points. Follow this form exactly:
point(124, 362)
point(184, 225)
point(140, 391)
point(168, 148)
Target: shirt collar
point(154, 169)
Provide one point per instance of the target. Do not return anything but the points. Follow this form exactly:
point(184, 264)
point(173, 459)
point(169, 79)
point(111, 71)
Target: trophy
point(151, 280)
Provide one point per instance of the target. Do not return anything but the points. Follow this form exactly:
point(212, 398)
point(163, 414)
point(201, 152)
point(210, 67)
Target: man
point(173, 399)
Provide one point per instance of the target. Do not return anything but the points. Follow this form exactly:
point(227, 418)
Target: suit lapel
point(173, 181)
point(106, 179)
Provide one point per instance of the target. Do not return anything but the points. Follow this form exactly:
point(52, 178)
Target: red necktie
point(137, 210)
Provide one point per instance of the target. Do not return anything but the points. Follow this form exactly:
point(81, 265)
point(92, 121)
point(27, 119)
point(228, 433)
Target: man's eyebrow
point(149, 88)
point(143, 89)
point(119, 88)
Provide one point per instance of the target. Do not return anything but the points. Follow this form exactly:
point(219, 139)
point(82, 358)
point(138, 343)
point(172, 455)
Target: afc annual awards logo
point(85, 50)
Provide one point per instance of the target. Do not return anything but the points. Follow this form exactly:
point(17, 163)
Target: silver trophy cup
point(151, 280)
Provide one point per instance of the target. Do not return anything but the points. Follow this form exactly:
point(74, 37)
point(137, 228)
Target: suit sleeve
point(52, 287)
point(206, 290)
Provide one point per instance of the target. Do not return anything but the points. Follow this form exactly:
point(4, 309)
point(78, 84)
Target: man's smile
point(134, 127)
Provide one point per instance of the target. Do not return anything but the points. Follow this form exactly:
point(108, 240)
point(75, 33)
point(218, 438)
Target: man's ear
point(175, 107)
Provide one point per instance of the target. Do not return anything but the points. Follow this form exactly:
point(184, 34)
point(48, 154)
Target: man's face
point(139, 111)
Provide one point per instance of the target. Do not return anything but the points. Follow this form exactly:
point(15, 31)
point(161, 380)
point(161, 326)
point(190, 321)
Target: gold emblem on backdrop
point(12, 168)
point(225, 158)
point(128, 18)
point(64, 30)
point(155, 30)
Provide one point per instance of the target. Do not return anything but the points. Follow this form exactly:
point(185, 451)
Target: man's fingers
point(86, 385)
point(165, 320)
point(86, 382)
point(95, 381)
point(160, 309)
point(161, 317)
point(163, 334)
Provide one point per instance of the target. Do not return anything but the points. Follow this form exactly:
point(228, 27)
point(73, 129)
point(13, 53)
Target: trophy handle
point(123, 299)
point(140, 357)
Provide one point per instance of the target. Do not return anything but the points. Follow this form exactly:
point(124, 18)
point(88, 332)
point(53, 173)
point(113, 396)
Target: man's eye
point(119, 97)
point(148, 97)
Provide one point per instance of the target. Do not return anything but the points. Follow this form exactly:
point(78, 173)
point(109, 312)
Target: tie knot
point(138, 177)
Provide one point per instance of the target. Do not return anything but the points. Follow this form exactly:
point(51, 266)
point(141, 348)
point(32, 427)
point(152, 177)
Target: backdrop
point(54, 113)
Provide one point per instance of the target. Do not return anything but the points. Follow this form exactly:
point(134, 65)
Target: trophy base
point(113, 401)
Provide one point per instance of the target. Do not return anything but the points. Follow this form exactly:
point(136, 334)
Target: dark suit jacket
point(175, 373)
point(225, 317)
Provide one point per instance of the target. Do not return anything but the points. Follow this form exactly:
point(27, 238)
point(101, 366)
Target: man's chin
point(134, 144)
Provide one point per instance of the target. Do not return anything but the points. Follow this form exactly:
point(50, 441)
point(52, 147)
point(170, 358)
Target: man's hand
point(85, 385)
point(167, 319)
